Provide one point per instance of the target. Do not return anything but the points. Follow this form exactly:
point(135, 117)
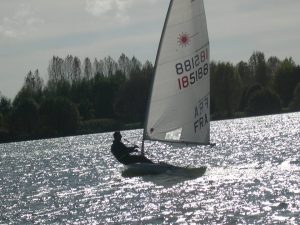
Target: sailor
point(122, 152)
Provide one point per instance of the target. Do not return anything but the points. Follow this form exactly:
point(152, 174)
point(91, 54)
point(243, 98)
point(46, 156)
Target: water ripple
point(252, 178)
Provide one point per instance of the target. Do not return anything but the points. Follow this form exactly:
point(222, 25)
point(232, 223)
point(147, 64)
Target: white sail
point(179, 107)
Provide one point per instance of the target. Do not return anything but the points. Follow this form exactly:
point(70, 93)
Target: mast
point(152, 79)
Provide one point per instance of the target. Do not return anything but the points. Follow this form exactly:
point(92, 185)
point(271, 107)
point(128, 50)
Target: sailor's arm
point(129, 149)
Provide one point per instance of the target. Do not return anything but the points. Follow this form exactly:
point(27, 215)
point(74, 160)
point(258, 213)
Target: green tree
point(286, 78)
point(213, 69)
point(1, 120)
point(81, 94)
point(245, 74)
point(131, 101)
point(61, 88)
point(5, 109)
point(103, 95)
point(24, 118)
point(247, 93)
point(86, 109)
point(226, 88)
point(59, 116)
point(263, 101)
point(32, 88)
point(273, 63)
point(295, 104)
point(4, 134)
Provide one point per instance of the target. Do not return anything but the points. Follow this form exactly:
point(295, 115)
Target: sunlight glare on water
point(253, 177)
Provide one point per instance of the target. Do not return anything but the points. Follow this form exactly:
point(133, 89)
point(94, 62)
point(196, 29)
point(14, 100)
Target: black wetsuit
point(122, 154)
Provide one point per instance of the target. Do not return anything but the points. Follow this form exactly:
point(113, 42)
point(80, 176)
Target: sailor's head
point(117, 135)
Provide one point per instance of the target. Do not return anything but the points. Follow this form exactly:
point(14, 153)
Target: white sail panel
point(180, 98)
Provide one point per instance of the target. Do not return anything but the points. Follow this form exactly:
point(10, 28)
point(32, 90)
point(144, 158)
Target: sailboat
point(179, 105)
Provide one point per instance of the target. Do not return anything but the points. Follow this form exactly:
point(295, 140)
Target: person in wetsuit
point(122, 152)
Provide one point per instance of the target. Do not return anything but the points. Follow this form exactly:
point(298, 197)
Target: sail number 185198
point(192, 69)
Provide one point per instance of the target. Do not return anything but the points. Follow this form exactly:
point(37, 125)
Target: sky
point(33, 31)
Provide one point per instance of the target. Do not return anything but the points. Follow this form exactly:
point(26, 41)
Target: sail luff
point(153, 77)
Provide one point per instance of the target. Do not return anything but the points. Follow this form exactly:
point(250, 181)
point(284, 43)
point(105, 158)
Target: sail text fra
point(201, 114)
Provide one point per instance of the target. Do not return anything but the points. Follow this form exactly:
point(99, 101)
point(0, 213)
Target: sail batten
point(179, 106)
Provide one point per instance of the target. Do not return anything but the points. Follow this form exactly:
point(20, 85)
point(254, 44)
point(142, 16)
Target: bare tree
point(124, 64)
point(76, 70)
point(68, 67)
point(110, 66)
point(87, 69)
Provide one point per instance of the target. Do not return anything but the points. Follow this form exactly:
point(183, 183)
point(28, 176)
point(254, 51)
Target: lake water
point(253, 177)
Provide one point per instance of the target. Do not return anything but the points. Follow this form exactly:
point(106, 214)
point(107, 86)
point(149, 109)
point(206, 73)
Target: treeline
point(256, 87)
point(103, 95)
point(79, 97)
